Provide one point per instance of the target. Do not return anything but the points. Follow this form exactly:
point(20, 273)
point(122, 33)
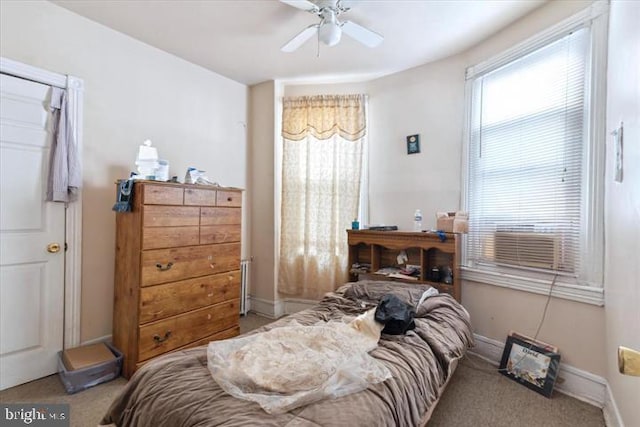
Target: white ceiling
point(241, 39)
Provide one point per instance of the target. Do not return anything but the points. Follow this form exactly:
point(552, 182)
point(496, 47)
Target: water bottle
point(417, 220)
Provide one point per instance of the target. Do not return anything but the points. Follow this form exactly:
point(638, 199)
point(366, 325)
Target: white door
point(31, 271)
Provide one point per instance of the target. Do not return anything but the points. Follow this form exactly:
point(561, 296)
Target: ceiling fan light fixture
point(329, 30)
point(330, 33)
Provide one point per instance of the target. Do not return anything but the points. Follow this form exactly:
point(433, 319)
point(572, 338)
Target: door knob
point(53, 247)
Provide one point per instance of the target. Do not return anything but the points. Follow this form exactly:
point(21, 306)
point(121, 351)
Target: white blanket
point(295, 365)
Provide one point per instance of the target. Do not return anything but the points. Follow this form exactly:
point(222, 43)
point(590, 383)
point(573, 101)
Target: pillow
point(374, 290)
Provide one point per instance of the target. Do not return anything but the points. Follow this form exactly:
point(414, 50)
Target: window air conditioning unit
point(528, 249)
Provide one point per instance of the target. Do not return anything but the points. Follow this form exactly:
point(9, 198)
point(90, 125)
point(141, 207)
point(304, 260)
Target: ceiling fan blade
point(302, 5)
point(363, 35)
point(299, 39)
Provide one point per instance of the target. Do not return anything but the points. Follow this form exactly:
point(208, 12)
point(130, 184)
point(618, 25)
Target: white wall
point(325, 89)
point(261, 192)
point(427, 101)
point(622, 269)
point(132, 92)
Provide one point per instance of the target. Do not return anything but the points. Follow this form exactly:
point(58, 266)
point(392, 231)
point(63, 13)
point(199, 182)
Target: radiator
point(245, 276)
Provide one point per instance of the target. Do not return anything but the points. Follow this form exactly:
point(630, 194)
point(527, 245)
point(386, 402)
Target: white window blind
point(528, 135)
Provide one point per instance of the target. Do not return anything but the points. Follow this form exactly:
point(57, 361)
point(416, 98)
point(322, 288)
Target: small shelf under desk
point(379, 249)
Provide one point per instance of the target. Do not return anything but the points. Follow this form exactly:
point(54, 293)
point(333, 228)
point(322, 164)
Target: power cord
point(535, 337)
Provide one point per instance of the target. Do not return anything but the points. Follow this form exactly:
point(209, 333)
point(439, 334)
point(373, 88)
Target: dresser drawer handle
point(164, 267)
point(158, 339)
point(229, 199)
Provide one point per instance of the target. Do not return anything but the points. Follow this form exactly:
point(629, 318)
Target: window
point(323, 164)
point(534, 171)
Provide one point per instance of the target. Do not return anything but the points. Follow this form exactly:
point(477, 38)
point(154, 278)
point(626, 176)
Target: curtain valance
point(323, 117)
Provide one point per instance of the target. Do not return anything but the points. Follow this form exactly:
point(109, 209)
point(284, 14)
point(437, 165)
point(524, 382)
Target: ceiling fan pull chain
point(318, 40)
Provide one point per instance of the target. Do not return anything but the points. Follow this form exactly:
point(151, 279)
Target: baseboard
point(582, 385)
point(267, 308)
point(612, 417)
point(293, 305)
point(279, 308)
point(487, 349)
point(572, 381)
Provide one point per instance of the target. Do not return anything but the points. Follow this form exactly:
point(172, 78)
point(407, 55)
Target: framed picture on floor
point(530, 364)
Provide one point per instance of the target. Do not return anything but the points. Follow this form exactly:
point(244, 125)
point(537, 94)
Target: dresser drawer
point(226, 334)
point(168, 237)
point(166, 335)
point(170, 265)
point(209, 320)
point(229, 198)
point(219, 234)
point(162, 301)
point(170, 216)
point(199, 196)
point(215, 216)
point(162, 195)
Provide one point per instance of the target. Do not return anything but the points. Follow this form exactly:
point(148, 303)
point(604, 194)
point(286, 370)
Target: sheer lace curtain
point(323, 144)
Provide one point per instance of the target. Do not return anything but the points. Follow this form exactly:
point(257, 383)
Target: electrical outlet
point(617, 152)
point(629, 361)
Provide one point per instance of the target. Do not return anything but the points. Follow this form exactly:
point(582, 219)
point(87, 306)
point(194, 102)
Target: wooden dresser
point(177, 276)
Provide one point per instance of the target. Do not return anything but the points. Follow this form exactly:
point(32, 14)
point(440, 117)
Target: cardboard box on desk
point(444, 221)
point(452, 222)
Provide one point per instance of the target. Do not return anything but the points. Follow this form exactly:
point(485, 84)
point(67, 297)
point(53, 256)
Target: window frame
point(589, 290)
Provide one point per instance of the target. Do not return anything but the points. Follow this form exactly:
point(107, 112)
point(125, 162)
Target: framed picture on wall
point(413, 144)
point(530, 364)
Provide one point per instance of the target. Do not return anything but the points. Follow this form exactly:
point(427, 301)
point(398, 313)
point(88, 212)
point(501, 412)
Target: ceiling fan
point(329, 30)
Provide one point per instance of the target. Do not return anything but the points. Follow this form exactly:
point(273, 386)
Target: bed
point(177, 389)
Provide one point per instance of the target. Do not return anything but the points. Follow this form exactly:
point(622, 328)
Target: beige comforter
point(178, 390)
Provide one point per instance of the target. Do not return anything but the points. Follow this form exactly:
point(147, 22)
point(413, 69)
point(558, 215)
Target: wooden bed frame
point(379, 249)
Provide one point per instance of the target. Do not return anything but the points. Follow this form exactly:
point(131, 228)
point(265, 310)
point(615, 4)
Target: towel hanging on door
point(64, 167)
